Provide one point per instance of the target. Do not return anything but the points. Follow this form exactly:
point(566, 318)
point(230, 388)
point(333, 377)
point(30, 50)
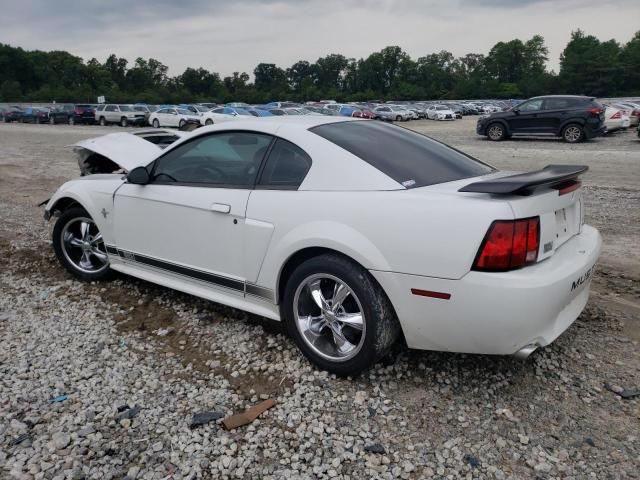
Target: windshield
point(409, 158)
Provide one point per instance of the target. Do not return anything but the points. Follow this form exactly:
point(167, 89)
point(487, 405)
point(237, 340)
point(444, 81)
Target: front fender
point(94, 193)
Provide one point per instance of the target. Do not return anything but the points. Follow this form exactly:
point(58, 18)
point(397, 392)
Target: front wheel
point(572, 133)
point(156, 123)
point(181, 124)
point(79, 246)
point(72, 121)
point(123, 122)
point(208, 122)
point(338, 315)
point(496, 132)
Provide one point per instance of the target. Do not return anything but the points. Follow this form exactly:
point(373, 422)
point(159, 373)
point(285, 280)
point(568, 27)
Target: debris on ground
point(203, 418)
point(249, 415)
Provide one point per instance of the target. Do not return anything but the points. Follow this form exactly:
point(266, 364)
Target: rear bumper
point(497, 313)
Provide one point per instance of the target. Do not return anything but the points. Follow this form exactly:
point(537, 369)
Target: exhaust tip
point(524, 352)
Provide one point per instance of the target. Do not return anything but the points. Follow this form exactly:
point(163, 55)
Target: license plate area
point(567, 223)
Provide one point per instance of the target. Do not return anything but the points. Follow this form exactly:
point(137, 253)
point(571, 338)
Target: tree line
point(512, 69)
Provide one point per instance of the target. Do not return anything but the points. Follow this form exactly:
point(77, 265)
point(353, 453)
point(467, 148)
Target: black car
point(11, 114)
point(574, 118)
point(80, 113)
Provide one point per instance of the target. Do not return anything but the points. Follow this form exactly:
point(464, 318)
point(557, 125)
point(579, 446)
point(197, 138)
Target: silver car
point(392, 113)
point(123, 115)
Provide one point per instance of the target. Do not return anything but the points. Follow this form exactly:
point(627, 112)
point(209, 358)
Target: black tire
point(381, 327)
point(496, 131)
point(398, 118)
point(58, 229)
point(208, 122)
point(156, 123)
point(71, 120)
point(181, 124)
point(102, 122)
point(52, 121)
point(573, 133)
point(124, 122)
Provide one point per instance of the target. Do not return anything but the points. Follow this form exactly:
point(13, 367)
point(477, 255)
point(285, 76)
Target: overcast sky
point(234, 35)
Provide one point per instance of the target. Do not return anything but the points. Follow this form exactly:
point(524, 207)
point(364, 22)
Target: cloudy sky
point(234, 35)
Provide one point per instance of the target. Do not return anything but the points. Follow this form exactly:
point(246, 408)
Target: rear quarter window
point(411, 159)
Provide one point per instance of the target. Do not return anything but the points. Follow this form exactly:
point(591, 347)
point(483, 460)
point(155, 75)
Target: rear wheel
point(496, 132)
point(123, 122)
point(72, 121)
point(181, 123)
point(79, 246)
point(156, 123)
point(398, 118)
point(102, 122)
point(208, 122)
point(573, 133)
point(338, 315)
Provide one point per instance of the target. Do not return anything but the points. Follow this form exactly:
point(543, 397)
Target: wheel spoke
point(340, 293)
point(318, 297)
point(97, 239)
point(354, 320)
point(342, 344)
point(84, 230)
point(73, 241)
point(99, 255)
point(85, 261)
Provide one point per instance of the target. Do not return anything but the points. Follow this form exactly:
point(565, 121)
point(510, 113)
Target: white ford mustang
point(353, 232)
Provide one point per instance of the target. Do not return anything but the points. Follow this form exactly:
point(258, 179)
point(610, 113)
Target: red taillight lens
point(616, 115)
point(509, 244)
point(595, 110)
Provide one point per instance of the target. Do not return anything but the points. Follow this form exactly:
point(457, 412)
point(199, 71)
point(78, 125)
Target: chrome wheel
point(329, 317)
point(83, 246)
point(495, 132)
point(572, 134)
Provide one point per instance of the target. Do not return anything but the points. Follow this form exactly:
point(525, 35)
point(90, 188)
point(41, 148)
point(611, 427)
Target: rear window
point(409, 158)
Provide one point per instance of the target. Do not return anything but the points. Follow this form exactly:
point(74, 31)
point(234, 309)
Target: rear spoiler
point(526, 183)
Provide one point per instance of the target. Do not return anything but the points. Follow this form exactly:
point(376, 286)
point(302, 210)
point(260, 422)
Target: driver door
point(528, 118)
point(189, 220)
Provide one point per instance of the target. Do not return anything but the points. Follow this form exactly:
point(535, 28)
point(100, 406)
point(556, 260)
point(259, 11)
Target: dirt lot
point(417, 415)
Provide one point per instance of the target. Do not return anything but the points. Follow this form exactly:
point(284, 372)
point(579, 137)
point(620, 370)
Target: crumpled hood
point(125, 150)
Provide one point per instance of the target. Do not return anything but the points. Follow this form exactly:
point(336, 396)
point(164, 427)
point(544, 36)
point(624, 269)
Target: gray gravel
point(102, 380)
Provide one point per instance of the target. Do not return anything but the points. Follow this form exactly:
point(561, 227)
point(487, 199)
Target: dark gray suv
point(571, 117)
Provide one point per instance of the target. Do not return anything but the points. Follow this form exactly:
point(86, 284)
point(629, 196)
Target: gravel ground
point(102, 380)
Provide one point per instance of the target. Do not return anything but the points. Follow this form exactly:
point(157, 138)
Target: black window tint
point(409, 158)
point(556, 103)
point(286, 166)
point(226, 159)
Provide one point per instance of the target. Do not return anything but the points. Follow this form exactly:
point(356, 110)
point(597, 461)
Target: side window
point(110, 108)
point(286, 166)
point(218, 110)
point(226, 159)
point(532, 106)
point(556, 103)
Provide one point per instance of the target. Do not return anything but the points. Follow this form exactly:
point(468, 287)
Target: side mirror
point(516, 110)
point(139, 176)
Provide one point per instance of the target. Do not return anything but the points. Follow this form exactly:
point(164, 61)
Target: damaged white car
point(355, 233)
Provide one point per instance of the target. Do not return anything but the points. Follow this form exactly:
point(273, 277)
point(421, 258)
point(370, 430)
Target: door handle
point(221, 208)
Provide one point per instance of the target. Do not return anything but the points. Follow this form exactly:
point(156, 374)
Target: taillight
point(616, 115)
point(509, 244)
point(595, 110)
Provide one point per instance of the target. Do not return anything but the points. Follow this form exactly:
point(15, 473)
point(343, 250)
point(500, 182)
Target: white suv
point(123, 115)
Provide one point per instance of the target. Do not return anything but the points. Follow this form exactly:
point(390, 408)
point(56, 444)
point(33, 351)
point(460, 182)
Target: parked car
point(574, 118)
point(440, 112)
point(615, 119)
point(258, 112)
point(223, 114)
point(11, 114)
point(630, 111)
point(79, 113)
point(123, 115)
point(29, 115)
point(146, 109)
point(173, 117)
point(499, 263)
point(392, 113)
